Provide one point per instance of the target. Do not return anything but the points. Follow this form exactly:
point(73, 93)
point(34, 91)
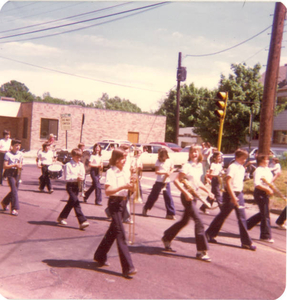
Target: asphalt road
point(40, 259)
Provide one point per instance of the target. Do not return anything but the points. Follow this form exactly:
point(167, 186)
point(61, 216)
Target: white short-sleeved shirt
point(46, 158)
point(193, 172)
point(5, 145)
point(96, 159)
point(236, 171)
point(165, 166)
point(262, 172)
point(74, 170)
point(275, 168)
point(127, 166)
point(216, 168)
point(116, 178)
point(13, 158)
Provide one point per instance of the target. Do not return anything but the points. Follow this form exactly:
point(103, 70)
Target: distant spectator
point(5, 145)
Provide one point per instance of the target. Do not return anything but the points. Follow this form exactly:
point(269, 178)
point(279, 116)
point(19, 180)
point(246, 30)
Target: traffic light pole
point(221, 122)
point(177, 101)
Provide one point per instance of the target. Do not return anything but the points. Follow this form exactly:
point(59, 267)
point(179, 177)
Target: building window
point(49, 126)
point(280, 137)
point(25, 128)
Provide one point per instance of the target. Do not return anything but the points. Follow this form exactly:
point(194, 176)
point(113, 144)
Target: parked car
point(172, 146)
point(228, 158)
point(150, 157)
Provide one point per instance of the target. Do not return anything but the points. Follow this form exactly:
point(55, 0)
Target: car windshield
point(173, 145)
point(185, 149)
point(104, 145)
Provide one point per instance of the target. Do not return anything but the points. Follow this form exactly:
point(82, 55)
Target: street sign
point(66, 122)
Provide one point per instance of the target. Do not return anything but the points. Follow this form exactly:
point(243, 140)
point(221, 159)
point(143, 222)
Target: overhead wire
point(224, 50)
point(79, 76)
point(66, 18)
point(83, 21)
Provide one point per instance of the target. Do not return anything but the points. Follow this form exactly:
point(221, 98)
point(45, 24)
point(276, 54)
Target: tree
point(118, 104)
point(17, 90)
point(243, 86)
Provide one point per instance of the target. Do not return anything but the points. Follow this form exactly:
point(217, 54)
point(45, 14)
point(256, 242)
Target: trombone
point(136, 175)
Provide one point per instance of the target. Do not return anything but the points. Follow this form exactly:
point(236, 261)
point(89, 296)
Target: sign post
point(66, 124)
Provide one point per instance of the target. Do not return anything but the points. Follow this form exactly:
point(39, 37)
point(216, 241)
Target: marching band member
point(116, 187)
point(96, 164)
point(44, 160)
point(5, 145)
point(74, 174)
point(163, 169)
point(192, 171)
point(232, 198)
point(12, 163)
point(262, 192)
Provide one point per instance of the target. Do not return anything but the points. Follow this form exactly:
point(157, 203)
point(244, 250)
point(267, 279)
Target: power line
point(66, 18)
point(82, 28)
point(214, 53)
point(83, 21)
point(79, 76)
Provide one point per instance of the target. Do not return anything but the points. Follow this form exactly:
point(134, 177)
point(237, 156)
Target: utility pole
point(270, 83)
point(177, 99)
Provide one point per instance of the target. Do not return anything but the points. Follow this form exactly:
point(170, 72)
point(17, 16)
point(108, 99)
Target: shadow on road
point(81, 264)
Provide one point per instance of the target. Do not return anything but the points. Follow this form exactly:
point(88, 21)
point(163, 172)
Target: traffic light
point(222, 104)
point(181, 74)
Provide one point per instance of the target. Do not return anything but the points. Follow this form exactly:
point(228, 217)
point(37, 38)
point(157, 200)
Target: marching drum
point(55, 171)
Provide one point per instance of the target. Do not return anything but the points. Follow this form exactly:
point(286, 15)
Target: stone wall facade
point(98, 124)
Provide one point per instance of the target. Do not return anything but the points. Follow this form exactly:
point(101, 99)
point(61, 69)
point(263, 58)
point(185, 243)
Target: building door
point(133, 137)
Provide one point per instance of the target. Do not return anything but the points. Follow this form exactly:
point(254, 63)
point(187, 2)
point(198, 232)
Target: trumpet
point(274, 188)
point(191, 190)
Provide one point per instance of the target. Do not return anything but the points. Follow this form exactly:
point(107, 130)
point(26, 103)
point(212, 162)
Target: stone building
point(32, 122)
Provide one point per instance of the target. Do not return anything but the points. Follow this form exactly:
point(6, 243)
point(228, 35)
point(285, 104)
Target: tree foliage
point(197, 107)
point(21, 93)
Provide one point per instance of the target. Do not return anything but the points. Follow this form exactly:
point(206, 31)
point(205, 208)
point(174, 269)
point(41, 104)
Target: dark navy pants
point(262, 200)
point(116, 232)
point(190, 211)
point(73, 203)
point(153, 196)
point(226, 209)
point(96, 186)
point(12, 196)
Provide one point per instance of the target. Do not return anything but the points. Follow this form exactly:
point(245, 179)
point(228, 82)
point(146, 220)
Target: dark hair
point(6, 132)
point(81, 145)
point(94, 148)
point(15, 141)
point(124, 147)
point(241, 152)
point(117, 154)
point(276, 159)
point(161, 153)
point(261, 157)
point(195, 147)
point(45, 145)
point(77, 152)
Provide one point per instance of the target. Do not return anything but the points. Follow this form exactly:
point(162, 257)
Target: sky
point(78, 50)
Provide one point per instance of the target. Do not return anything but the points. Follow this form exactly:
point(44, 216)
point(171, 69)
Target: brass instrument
point(191, 190)
point(221, 179)
point(19, 171)
point(135, 197)
point(274, 188)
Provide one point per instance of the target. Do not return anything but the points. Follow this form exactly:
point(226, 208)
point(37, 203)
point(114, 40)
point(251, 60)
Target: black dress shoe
point(131, 272)
point(102, 263)
point(99, 204)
